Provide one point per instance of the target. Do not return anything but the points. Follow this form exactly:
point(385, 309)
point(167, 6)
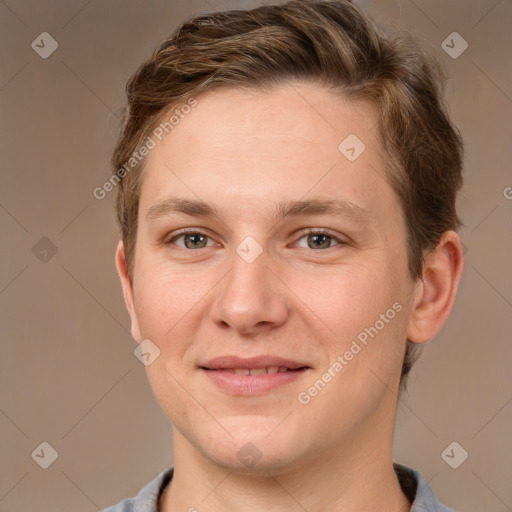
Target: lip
point(220, 371)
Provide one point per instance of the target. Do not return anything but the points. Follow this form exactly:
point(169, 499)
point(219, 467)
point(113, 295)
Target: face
point(295, 261)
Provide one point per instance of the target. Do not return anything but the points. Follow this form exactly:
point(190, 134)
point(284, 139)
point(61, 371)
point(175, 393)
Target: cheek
point(361, 311)
point(348, 298)
point(168, 308)
point(164, 298)
point(364, 362)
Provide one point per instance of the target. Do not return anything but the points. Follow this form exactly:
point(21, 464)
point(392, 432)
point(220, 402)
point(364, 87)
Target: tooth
point(258, 371)
point(229, 370)
point(272, 369)
point(283, 369)
point(241, 371)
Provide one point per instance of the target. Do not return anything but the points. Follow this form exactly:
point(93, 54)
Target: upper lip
point(265, 361)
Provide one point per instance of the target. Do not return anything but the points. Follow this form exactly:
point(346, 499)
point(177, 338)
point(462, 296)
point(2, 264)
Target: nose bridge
point(250, 297)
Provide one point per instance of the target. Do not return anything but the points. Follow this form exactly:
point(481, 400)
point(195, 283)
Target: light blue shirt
point(414, 486)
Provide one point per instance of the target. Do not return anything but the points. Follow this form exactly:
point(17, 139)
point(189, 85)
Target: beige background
point(68, 373)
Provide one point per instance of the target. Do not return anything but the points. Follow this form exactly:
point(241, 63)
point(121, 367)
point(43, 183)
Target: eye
point(191, 239)
point(319, 239)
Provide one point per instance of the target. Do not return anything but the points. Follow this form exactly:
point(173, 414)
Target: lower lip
point(252, 384)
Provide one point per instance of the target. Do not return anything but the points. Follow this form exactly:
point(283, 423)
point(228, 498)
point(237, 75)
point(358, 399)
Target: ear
point(127, 285)
point(435, 293)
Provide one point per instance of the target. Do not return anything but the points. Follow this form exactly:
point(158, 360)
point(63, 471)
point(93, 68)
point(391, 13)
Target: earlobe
point(127, 285)
point(436, 292)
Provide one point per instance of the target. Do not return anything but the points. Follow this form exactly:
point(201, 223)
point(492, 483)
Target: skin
point(245, 151)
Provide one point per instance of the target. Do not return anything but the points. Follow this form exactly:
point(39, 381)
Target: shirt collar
point(414, 486)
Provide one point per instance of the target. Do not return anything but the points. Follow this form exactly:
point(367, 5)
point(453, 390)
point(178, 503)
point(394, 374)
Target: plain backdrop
point(69, 377)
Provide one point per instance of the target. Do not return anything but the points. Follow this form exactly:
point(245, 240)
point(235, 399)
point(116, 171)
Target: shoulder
point(147, 498)
point(123, 506)
point(417, 489)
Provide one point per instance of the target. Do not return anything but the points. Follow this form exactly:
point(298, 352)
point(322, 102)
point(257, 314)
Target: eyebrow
point(199, 208)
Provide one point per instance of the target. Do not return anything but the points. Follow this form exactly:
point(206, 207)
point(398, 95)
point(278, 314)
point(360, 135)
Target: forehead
point(241, 146)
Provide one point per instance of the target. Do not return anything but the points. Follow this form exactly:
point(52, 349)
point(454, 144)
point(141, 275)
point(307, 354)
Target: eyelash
point(320, 231)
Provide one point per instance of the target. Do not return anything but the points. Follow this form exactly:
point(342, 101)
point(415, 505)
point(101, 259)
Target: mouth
point(253, 376)
point(257, 371)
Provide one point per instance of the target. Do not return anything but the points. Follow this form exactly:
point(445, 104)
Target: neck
point(357, 475)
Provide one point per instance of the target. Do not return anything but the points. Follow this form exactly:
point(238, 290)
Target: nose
point(250, 299)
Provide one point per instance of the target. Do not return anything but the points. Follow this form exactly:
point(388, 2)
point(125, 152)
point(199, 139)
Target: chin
point(249, 459)
point(258, 445)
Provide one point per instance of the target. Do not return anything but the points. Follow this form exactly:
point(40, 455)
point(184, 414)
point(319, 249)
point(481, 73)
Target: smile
point(253, 381)
point(257, 371)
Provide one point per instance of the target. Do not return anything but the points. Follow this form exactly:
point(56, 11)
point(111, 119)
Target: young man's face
point(249, 283)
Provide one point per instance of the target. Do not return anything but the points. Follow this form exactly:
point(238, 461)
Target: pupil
point(317, 237)
point(194, 239)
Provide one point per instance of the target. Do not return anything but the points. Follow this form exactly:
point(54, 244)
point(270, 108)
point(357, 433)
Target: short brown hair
point(328, 42)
